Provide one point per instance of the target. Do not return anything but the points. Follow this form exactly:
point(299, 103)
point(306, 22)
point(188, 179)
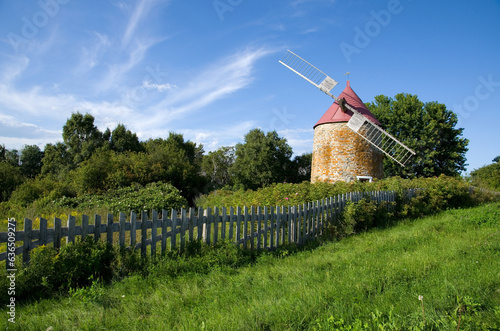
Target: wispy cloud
point(219, 80)
point(139, 12)
point(91, 55)
point(117, 71)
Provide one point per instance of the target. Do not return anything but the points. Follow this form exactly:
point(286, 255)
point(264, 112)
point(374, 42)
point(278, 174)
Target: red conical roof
point(334, 114)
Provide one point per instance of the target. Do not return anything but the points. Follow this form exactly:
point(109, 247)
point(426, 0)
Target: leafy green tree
point(31, 161)
point(92, 176)
point(81, 137)
point(428, 129)
point(497, 159)
point(10, 178)
point(216, 167)
point(262, 160)
point(123, 140)
point(56, 160)
point(178, 162)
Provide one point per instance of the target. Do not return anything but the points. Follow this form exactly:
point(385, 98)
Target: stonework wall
point(341, 154)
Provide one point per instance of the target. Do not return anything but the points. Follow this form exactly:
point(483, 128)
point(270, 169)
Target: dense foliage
point(487, 177)
point(427, 128)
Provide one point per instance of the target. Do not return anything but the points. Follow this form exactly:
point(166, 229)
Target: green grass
point(365, 282)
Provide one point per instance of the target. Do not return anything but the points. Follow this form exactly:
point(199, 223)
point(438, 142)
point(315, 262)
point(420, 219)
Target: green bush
point(156, 196)
point(79, 263)
point(359, 216)
point(487, 177)
point(41, 190)
point(76, 265)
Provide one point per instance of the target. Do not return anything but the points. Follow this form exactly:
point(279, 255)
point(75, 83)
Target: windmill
point(359, 123)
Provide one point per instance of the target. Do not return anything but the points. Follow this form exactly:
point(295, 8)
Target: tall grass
point(364, 282)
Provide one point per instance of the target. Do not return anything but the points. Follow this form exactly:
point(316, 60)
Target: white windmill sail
point(373, 133)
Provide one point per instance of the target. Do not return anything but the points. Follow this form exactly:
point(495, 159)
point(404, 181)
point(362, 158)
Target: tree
point(31, 161)
point(81, 137)
point(10, 156)
point(178, 162)
point(56, 160)
point(123, 140)
point(497, 159)
point(10, 178)
point(216, 166)
point(262, 160)
point(428, 129)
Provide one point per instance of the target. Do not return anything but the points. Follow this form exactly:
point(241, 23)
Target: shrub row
point(436, 194)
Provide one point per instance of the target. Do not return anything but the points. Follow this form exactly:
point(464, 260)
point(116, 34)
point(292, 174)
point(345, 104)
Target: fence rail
point(255, 228)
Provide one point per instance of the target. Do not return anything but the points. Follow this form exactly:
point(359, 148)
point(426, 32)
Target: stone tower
point(340, 154)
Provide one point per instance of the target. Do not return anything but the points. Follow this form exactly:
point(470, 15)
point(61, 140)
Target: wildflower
point(421, 298)
point(297, 193)
point(286, 198)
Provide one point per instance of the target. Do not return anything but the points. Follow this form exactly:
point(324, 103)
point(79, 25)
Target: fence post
point(259, 227)
point(164, 221)
point(191, 224)
point(266, 228)
point(223, 225)
point(231, 223)
point(97, 227)
point(299, 225)
point(144, 232)
point(43, 231)
point(278, 226)
point(57, 233)
point(27, 240)
point(71, 229)
point(133, 229)
point(121, 234)
point(271, 231)
point(200, 223)
point(173, 231)
point(154, 232)
point(238, 224)
point(216, 224)
point(109, 229)
point(85, 226)
point(208, 226)
point(183, 229)
point(245, 226)
point(251, 226)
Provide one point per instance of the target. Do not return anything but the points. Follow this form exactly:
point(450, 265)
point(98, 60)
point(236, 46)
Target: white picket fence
point(254, 228)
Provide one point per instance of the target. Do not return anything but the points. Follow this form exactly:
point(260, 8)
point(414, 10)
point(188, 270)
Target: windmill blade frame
point(368, 130)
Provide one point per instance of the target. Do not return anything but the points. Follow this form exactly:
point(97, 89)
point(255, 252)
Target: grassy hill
point(364, 282)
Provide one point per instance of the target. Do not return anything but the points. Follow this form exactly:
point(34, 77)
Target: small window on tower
point(365, 178)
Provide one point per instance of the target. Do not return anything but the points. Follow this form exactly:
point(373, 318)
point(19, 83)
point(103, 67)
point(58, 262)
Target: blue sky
point(209, 69)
